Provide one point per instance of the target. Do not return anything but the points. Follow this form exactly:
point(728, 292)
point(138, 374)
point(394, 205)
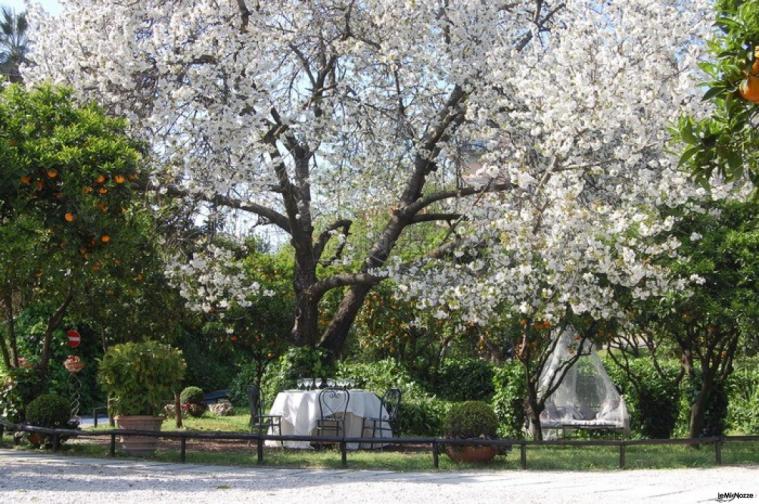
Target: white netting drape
point(586, 397)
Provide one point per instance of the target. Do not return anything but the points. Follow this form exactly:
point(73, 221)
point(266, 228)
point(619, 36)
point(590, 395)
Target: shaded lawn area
point(538, 458)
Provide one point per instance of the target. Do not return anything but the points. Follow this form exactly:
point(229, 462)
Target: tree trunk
point(177, 410)
point(698, 408)
point(10, 353)
point(532, 411)
point(333, 339)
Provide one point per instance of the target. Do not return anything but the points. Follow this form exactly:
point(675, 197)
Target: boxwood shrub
point(471, 419)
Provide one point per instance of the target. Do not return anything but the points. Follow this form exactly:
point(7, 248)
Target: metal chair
point(333, 407)
point(390, 403)
point(262, 423)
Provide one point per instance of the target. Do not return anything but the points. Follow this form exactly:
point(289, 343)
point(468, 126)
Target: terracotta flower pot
point(139, 445)
point(471, 454)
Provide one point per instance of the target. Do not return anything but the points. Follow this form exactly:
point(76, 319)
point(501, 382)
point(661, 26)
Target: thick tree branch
point(426, 201)
point(342, 280)
point(431, 217)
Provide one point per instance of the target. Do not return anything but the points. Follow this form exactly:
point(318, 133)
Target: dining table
point(299, 411)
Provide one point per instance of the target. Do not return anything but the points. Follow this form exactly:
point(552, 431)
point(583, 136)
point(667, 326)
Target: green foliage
point(508, 399)
point(193, 395)
point(49, 410)
point(421, 414)
point(465, 379)
point(18, 388)
point(296, 362)
point(471, 419)
point(654, 405)
point(31, 324)
point(140, 378)
point(210, 360)
point(743, 394)
point(247, 376)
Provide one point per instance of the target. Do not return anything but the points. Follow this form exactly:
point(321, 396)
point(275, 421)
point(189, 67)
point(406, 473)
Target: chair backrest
point(391, 401)
point(333, 402)
point(254, 398)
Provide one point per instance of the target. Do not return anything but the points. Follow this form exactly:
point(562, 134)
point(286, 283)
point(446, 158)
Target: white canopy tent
point(586, 398)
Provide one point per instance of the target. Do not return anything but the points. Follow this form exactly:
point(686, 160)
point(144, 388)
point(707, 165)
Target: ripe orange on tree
point(69, 217)
point(105, 238)
point(26, 179)
point(52, 173)
point(749, 89)
point(103, 191)
point(100, 179)
point(119, 179)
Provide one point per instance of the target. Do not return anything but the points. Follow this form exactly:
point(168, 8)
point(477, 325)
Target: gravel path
point(32, 477)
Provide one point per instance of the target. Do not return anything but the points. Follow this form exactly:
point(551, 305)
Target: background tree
point(13, 43)
point(703, 326)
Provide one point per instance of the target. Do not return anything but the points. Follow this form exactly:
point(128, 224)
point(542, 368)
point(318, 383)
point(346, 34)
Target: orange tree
point(726, 141)
point(66, 188)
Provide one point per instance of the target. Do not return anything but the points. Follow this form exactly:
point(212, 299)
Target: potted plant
point(139, 378)
point(471, 420)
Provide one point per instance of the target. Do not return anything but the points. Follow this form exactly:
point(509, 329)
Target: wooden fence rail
point(436, 444)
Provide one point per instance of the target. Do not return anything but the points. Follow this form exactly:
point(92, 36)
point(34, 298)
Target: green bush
point(508, 399)
point(140, 378)
point(49, 410)
point(297, 362)
point(245, 377)
point(191, 395)
point(17, 389)
point(422, 416)
point(191, 399)
point(464, 380)
point(743, 398)
point(654, 405)
point(471, 419)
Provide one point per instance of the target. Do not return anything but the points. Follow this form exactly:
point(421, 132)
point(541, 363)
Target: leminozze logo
point(731, 496)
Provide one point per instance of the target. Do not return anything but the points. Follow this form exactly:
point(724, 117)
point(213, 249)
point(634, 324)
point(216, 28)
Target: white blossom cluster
point(212, 280)
point(572, 111)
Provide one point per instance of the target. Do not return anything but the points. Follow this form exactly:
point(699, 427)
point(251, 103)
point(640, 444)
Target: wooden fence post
point(622, 455)
point(718, 451)
point(260, 449)
point(182, 449)
point(112, 448)
point(343, 453)
point(435, 455)
point(523, 454)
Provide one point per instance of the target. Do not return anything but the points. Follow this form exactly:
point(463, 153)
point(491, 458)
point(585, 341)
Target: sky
point(52, 6)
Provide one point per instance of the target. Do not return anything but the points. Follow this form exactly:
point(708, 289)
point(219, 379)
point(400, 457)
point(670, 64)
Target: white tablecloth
point(299, 410)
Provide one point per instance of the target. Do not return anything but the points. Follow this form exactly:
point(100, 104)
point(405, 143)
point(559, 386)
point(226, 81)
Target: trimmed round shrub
point(191, 399)
point(49, 410)
point(193, 395)
point(140, 378)
point(471, 419)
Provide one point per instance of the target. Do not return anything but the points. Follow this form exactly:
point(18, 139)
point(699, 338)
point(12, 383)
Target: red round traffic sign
point(74, 338)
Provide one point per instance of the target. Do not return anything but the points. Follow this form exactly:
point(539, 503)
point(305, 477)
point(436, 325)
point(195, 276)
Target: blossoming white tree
point(310, 115)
